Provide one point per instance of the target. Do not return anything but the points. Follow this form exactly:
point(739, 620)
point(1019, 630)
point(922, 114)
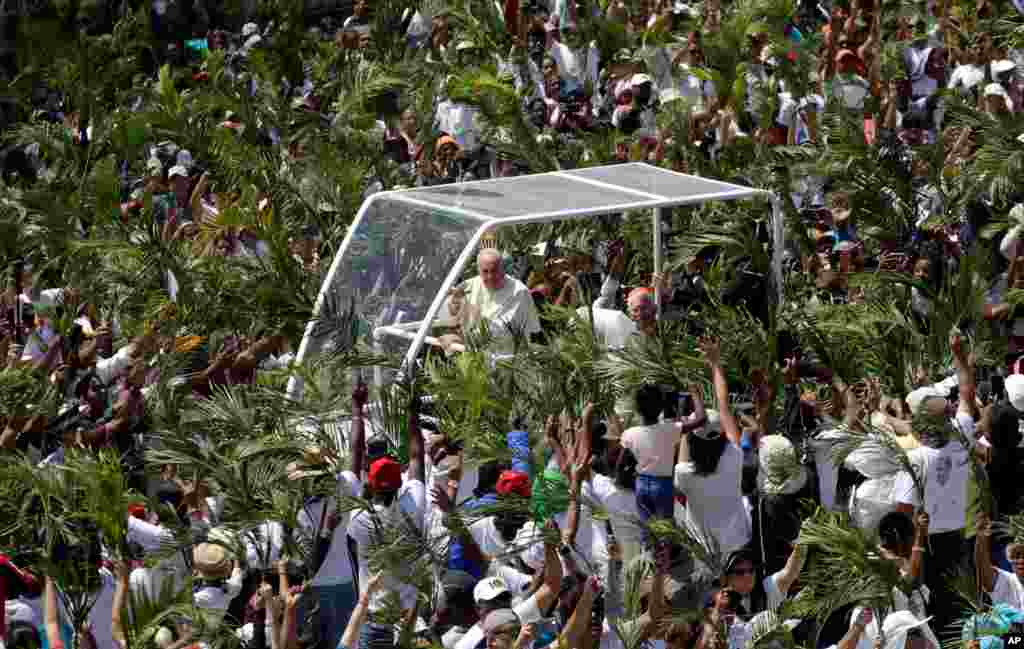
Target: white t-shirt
point(215, 600)
point(653, 446)
point(620, 504)
point(614, 326)
point(1007, 589)
point(715, 502)
point(410, 502)
point(946, 472)
point(509, 307)
point(337, 566)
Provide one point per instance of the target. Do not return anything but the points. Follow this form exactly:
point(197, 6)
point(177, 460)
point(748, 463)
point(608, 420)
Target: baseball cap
point(513, 482)
point(1014, 385)
point(489, 589)
point(177, 170)
point(249, 29)
point(385, 475)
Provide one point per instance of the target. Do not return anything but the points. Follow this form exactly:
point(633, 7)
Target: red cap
point(513, 482)
point(385, 475)
point(137, 511)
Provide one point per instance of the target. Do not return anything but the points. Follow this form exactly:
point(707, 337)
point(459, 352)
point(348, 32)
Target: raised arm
point(983, 553)
point(699, 416)
point(786, 577)
point(357, 443)
point(965, 377)
point(579, 623)
point(548, 591)
point(350, 638)
point(120, 599)
point(51, 619)
point(417, 466)
point(713, 357)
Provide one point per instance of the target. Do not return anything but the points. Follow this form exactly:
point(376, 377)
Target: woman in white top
point(708, 473)
point(710, 467)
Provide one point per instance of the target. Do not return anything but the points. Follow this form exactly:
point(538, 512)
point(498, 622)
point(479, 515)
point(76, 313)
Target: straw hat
point(211, 561)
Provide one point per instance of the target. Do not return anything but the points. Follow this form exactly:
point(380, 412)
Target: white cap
point(163, 638)
point(1015, 391)
point(249, 29)
point(177, 170)
point(997, 90)
point(640, 79)
point(898, 624)
point(999, 67)
point(489, 588)
point(918, 396)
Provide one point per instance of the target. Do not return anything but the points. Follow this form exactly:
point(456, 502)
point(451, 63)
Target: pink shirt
point(654, 447)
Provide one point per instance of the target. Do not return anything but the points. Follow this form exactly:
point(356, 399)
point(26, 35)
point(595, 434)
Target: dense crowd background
point(702, 458)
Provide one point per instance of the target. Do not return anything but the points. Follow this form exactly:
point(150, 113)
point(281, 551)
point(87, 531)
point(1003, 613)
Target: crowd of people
point(680, 516)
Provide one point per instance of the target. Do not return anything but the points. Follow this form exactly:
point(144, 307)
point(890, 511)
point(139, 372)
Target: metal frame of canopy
point(647, 187)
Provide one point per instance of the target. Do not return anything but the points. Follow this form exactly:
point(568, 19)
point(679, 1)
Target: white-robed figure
point(502, 301)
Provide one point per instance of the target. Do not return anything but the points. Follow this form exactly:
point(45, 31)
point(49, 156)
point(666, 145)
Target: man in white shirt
point(502, 301)
point(943, 464)
point(212, 593)
point(396, 504)
point(492, 594)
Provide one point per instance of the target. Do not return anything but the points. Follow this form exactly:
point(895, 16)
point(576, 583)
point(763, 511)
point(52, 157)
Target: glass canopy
point(405, 249)
point(560, 194)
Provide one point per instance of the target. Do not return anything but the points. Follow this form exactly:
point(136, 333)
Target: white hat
point(177, 170)
point(1015, 391)
point(898, 624)
point(640, 79)
point(918, 397)
point(489, 588)
point(997, 90)
point(712, 427)
point(770, 448)
point(154, 167)
point(249, 29)
point(1002, 66)
point(163, 638)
